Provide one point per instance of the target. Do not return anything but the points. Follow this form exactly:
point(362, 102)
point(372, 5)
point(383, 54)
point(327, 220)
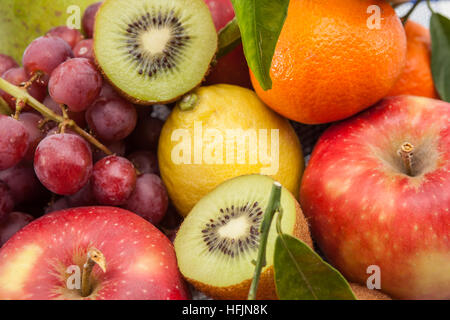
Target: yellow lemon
point(219, 132)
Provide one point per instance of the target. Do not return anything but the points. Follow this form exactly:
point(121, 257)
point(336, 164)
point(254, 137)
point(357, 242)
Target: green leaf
point(301, 274)
point(229, 38)
point(440, 54)
point(260, 22)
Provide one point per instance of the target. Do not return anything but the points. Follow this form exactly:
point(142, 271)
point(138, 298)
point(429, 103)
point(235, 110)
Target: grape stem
point(20, 104)
point(36, 76)
point(62, 125)
point(23, 98)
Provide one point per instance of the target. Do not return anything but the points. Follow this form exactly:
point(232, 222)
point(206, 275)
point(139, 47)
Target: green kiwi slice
point(154, 51)
point(219, 238)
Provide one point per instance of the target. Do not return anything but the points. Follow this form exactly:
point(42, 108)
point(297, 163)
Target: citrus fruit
point(416, 78)
point(334, 59)
point(228, 132)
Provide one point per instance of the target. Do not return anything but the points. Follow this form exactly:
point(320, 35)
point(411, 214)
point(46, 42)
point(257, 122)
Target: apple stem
point(406, 153)
point(94, 256)
point(23, 98)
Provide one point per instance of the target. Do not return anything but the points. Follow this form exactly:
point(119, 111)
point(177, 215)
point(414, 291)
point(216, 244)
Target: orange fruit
point(416, 78)
point(333, 60)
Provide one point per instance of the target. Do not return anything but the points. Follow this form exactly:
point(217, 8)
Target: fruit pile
point(133, 160)
point(50, 162)
point(71, 87)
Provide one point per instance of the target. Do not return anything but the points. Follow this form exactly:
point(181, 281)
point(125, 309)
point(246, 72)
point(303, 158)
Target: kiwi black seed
point(218, 241)
point(154, 51)
point(234, 246)
point(149, 64)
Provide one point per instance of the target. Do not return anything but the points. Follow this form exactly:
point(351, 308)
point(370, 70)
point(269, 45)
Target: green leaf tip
point(260, 22)
point(301, 274)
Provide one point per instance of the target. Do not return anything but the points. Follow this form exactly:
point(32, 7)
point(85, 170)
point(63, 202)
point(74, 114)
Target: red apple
point(42, 259)
point(231, 68)
point(366, 207)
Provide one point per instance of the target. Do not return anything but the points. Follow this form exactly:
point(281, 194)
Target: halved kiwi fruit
point(218, 240)
point(154, 51)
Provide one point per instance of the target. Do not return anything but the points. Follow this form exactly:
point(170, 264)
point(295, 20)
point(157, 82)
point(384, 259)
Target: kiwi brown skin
point(266, 285)
point(363, 293)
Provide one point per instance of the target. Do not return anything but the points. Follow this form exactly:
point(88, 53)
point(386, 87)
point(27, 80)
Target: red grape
point(63, 163)
point(78, 117)
point(56, 130)
point(6, 63)
point(13, 142)
point(144, 161)
point(171, 233)
point(146, 134)
point(71, 36)
point(60, 204)
point(6, 200)
point(84, 197)
point(84, 50)
point(52, 105)
point(108, 92)
point(75, 83)
point(117, 147)
point(172, 219)
point(111, 120)
point(23, 183)
point(149, 199)
point(88, 20)
point(17, 76)
point(113, 180)
point(13, 222)
point(45, 54)
point(31, 122)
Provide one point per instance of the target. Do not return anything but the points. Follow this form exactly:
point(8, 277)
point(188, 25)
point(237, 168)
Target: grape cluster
point(44, 161)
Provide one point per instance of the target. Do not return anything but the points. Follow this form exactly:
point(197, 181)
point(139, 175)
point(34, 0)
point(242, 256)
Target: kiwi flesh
point(154, 51)
point(218, 240)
